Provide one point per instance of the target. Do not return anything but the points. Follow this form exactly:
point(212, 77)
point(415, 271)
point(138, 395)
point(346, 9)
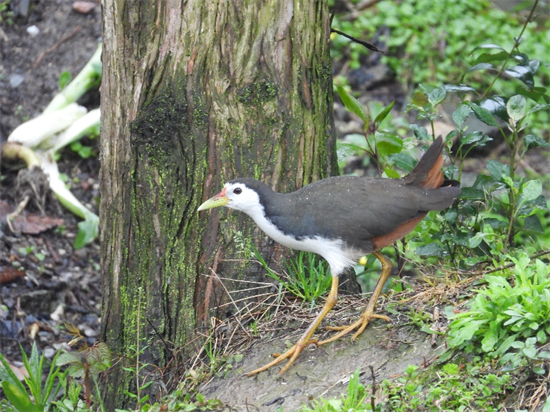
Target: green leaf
point(84, 152)
point(34, 368)
point(488, 46)
point(20, 399)
point(87, 231)
point(384, 113)
point(530, 190)
point(64, 79)
point(530, 352)
point(521, 73)
point(489, 341)
point(465, 332)
point(458, 88)
point(431, 249)
point(532, 224)
point(536, 94)
point(497, 106)
point(388, 143)
point(537, 108)
point(491, 57)
point(472, 137)
point(516, 108)
point(420, 132)
point(391, 173)
point(531, 141)
point(437, 95)
point(498, 170)
point(419, 99)
point(105, 352)
point(475, 240)
point(450, 215)
point(451, 369)
point(506, 344)
point(7, 374)
point(496, 224)
point(461, 114)
point(345, 150)
point(76, 370)
point(521, 58)
point(508, 181)
point(534, 66)
point(404, 161)
point(352, 104)
point(484, 115)
point(470, 193)
point(68, 358)
point(480, 66)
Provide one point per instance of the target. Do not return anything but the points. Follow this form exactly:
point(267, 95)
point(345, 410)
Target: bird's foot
point(360, 324)
point(292, 353)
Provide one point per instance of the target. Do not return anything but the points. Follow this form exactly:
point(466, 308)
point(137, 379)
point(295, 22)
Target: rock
point(33, 31)
point(84, 7)
point(16, 80)
point(58, 313)
point(49, 352)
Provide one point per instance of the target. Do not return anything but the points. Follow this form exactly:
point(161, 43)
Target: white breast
point(330, 250)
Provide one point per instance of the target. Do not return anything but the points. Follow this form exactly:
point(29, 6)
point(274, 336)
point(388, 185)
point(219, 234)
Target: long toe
point(292, 353)
point(360, 324)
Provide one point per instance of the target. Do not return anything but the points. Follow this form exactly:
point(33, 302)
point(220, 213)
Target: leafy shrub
point(431, 41)
point(505, 312)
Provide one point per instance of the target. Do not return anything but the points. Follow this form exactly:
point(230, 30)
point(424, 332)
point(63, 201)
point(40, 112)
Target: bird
point(342, 219)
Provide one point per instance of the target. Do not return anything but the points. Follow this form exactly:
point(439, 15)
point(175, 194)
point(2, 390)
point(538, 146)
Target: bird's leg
point(305, 340)
point(368, 314)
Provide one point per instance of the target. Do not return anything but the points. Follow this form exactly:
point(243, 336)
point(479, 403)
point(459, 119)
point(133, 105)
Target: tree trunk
point(195, 93)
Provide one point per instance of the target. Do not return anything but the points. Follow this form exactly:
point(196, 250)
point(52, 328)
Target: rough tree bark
point(195, 93)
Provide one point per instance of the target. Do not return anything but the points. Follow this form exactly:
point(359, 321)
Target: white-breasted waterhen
point(342, 219)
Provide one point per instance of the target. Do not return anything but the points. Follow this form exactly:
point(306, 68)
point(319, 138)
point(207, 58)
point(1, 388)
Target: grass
point(306, 276)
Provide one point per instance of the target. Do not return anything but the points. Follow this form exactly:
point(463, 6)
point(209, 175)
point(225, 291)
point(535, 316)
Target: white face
point(241, 197)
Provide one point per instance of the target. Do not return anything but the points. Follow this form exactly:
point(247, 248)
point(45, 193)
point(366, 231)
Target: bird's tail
point(427, 172)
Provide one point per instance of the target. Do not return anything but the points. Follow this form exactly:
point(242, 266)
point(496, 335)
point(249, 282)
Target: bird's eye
point(238, 191)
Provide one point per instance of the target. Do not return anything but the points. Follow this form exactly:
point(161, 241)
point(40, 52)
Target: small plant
point(501, 208)
point(428, 42)
point(307, 276)
point(181, 400)
point(85, 152)
point(141, 382)
point(64, 79)
point(86, 364)
point(71, 401)
point(6, 14)
point(449, 387)
point(420, 319)
point(505, 314)
point(354, 400)
point(41, 395)
point(377, 143)
point(213, 352)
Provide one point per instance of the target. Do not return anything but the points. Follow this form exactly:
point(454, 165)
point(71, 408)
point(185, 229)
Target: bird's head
point(235, 195)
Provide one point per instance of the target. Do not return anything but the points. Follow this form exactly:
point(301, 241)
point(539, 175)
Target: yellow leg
point(368, 314)
point(305, 340)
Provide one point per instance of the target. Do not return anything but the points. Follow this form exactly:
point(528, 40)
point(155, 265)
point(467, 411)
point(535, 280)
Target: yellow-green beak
point(219, 200)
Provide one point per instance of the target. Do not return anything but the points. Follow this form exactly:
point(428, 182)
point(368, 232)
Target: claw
point(359, 324)
point(292, 353)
